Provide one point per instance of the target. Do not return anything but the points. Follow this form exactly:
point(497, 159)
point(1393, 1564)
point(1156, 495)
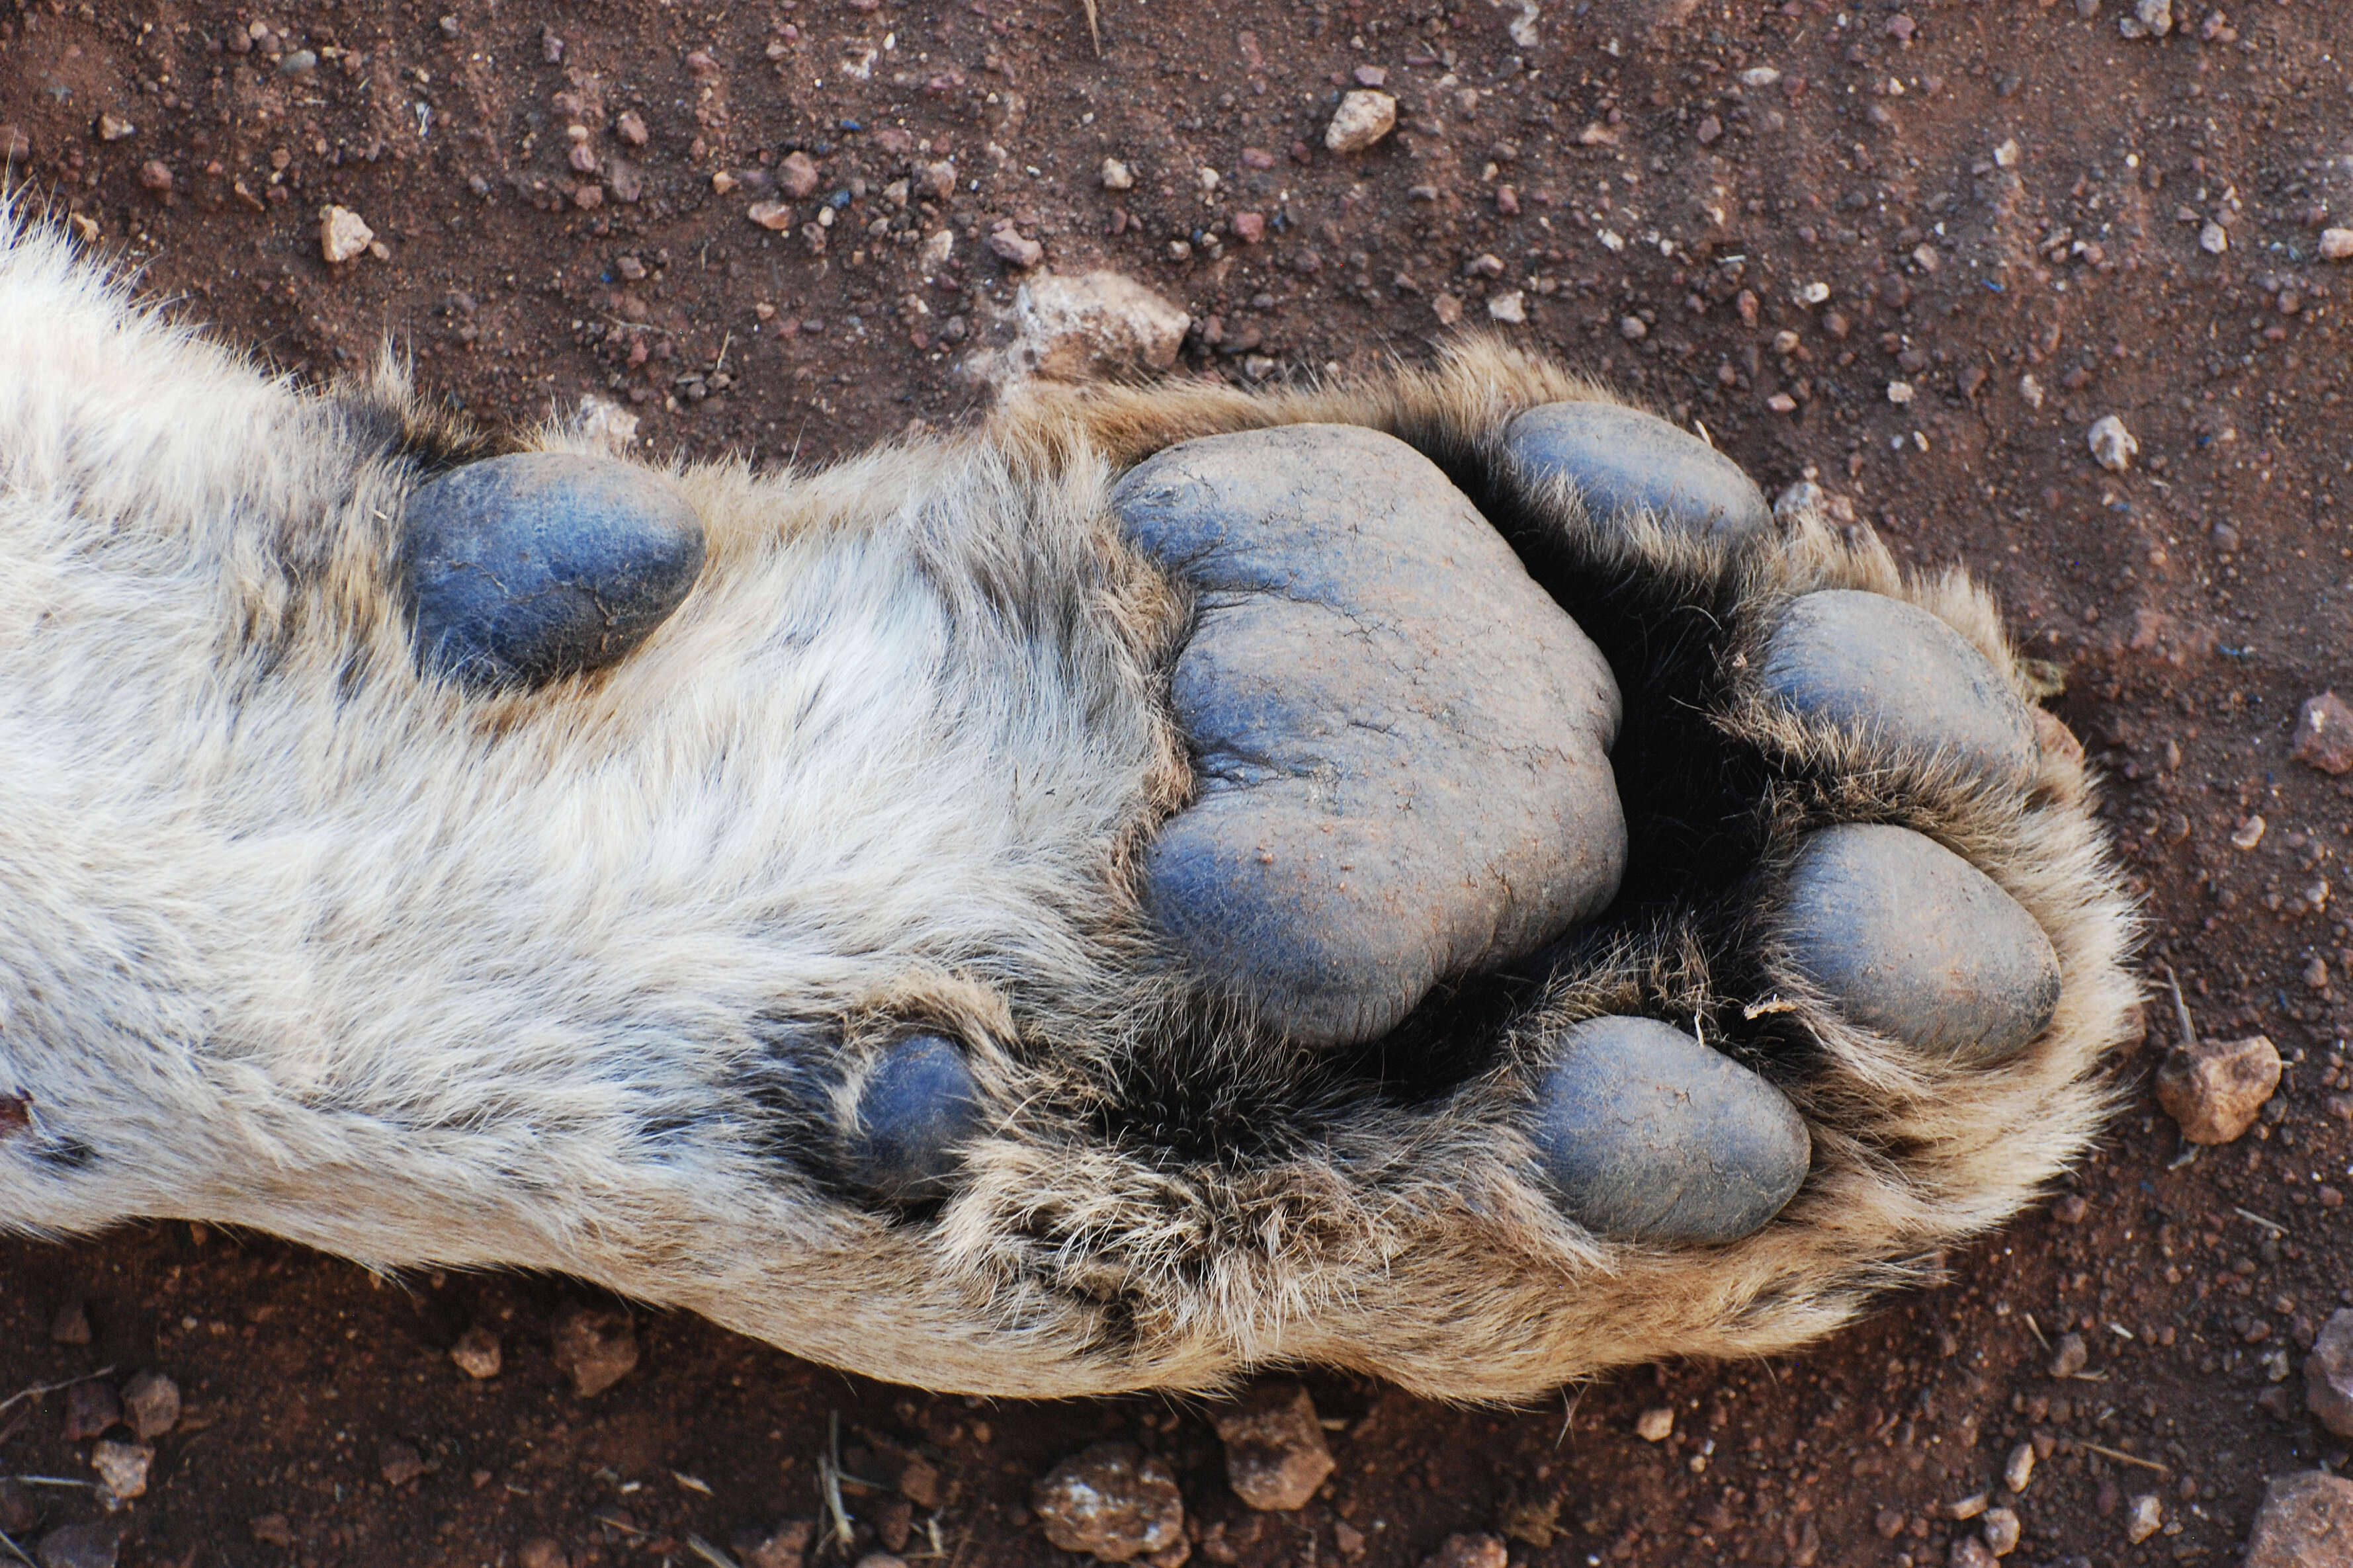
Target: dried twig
point(708, 1552)
point(17, 1550)
point(2253, 1218)
point(39, 1389)
point(2122, 1458)
point(2181, 1011)
point(828, 1477)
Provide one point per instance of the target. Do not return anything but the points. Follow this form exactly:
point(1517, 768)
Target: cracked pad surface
point(1400, 739)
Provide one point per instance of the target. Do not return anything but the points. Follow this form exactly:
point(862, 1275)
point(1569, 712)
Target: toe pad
point(1622, 460)
point(1646, 1134)
point(1865, 661)
point(523, 568)
point(1913, 940)
point(919, 1103)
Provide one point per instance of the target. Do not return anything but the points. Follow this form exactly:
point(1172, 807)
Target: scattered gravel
point(2214, 1088)
point(595, 1347)
point(1112, 1503)
point(1098, 324)
point(2323, 734)
point(1275, 1453)
point(1363, 118)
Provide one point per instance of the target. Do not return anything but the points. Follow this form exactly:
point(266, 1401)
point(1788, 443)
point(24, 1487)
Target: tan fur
point(292, 939)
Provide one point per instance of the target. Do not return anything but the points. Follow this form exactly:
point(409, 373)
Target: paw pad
point(523, 568)
point(1644, 1133)
point(1400, 739)
point(1621, 461)
point(1865, 661)
point(919, 1103)
point(1913, 941)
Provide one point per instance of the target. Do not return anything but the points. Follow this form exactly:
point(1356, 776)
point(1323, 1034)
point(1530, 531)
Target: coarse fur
point(586, 979)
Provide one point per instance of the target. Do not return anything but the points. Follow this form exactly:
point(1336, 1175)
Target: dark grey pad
point(1622, 459)
point(1915, 943)
point(918, 1104)
point(526, 568)
point(1868, 662)
point(1646, 1134)
point(1401, 741)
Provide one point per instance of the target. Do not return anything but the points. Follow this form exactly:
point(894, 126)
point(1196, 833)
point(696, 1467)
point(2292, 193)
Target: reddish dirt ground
point(1988, 193)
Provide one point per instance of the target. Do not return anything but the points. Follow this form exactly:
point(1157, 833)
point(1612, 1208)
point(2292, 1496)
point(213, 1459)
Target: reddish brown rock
point(1111, 1502)
point(2329, 1375)
point(595, 1347)
point(2323, 734)
point(2214, 1088)
point(1275, 1454)
point(2305, 1521)
point(1475, 1551)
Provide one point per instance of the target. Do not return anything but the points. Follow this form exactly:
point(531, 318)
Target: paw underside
point(1431, 876)
point(1597, 915)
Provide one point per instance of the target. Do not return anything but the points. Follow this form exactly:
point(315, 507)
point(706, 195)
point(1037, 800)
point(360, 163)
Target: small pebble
point(1969, 1507)
point(476, 1352)
point(1363, 118)
point(1112, 1503)
point(1016, 250)
point(71, 1325)
point(2336, 245)
point(1275, 1452)
point(1633, 329)
point(1117, 176)
point(772, 215)
point(2071, 1356)
point(1511, 309)
point(272, 1530)
point(112, 128)
point(786, 1546)
point(2069, 1210)
point(1468, 1551)
point(343, 234)
point(399, 1462)
point(97, 1544)
point(2113, 446)
point(2213, 239)
point(797, 176)
point(2213, 1088)
point(2305, 1521)
point(300, 62)
point(91, 1408)
point(1969, 1551)
point(632, 127)
point(2323, 734)
point(540, 1552)
point(2147, 1518)
point(152, 1402)
point(156, 175)
point(2329, 1375)
point(595, 1347)
point(122, 1467)
point(2002, 1530)
point(2021, 1468)
point(1250, 227)
point(1654, 1425)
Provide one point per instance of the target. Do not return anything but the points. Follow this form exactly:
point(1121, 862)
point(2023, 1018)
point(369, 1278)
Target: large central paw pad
point(1400, 739)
